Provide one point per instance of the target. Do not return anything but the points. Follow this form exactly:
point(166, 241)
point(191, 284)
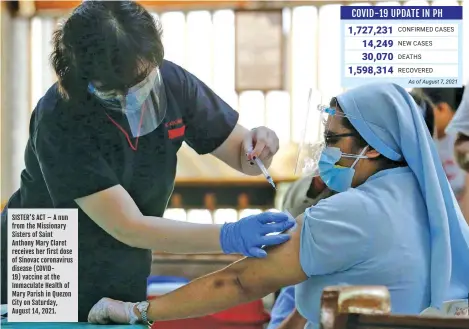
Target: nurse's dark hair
point(116, 43)
point(360, 143)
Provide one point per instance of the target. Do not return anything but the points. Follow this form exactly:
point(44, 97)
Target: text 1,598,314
point(370, 70)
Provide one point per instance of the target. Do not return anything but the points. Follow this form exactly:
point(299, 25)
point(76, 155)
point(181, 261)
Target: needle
point(264, 171)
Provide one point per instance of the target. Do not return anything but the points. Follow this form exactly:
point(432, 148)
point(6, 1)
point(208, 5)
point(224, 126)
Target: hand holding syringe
point(264, 170)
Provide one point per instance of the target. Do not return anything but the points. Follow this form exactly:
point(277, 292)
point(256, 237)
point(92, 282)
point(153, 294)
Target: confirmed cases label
point(413, 46)
point(43, 265)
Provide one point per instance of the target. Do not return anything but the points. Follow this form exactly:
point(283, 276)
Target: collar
point(386, 172)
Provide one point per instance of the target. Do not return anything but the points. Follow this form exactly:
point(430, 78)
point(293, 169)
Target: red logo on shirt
point(173, 130)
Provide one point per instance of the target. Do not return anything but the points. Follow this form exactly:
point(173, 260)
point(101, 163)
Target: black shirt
point(74, 150)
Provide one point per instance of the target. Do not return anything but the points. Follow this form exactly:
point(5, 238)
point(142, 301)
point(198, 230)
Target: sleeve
point(209, 119)
point(284, 305)
point(71, 164)
point(335, 235)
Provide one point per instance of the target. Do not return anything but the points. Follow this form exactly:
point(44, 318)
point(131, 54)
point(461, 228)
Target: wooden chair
point(369, 307)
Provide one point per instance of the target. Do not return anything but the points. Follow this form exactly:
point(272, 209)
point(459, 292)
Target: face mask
point(337, 178)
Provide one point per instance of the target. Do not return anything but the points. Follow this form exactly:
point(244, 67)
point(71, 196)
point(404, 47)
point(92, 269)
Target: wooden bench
point(368, 307)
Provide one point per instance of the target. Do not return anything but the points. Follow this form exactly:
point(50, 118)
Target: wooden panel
point(368, 307)
point(67, 5)
point(238, 196)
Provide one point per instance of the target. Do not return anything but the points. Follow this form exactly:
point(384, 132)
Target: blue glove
point(248, 235)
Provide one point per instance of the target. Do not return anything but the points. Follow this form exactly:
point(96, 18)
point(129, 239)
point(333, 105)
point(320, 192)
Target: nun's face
point(461, 150)
point(337, 135)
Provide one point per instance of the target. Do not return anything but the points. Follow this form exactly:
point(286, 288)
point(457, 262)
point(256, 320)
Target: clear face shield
point(316, 137)
point(144, 104)
point(310, 146)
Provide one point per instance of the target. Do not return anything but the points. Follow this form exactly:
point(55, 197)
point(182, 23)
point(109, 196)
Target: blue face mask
point(337, 178)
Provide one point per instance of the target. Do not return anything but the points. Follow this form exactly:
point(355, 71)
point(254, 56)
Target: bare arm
point(117, 214)
point(232, 153)
point(244, 281)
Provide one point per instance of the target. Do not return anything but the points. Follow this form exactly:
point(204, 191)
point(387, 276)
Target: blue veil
point(389, 120)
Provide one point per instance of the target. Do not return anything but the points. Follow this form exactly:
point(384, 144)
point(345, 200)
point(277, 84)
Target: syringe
point(264, 171)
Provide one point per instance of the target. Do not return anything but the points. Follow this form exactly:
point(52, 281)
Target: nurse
point(105, 138)
point(394, 222)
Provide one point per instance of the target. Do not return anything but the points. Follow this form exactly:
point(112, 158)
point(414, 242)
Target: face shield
point(144, 104)
point(317, 136)
point(310, 140)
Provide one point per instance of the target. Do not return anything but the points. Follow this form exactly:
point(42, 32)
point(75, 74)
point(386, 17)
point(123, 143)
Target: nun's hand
point(262, 143)
point(109, 310)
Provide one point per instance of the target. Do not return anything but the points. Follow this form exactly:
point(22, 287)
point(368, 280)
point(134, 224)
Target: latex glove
point(261, 142)
point(248, 235)
point(109, 310)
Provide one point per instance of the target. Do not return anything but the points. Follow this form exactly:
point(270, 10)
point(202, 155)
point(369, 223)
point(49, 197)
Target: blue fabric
point(284, 305)
point(375, 234)
point(248, 235)
point(399, 130)
point(402, 228)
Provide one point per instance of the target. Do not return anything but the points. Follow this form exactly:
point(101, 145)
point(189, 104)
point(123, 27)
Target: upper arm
point(281, 267)
point(209, 120)
point(112, 210)
point(230, 151)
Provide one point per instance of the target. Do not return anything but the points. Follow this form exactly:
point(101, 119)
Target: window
point(176, 214)
point(200, 216)
point(248, 212)
point(222, 216)
point(204, 216)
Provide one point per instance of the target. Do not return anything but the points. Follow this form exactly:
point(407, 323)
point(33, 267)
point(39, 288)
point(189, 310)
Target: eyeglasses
point(334, 138)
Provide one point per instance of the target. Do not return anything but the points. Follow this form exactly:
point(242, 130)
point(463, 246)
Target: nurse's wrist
point(225, 241)
point(141, 312)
